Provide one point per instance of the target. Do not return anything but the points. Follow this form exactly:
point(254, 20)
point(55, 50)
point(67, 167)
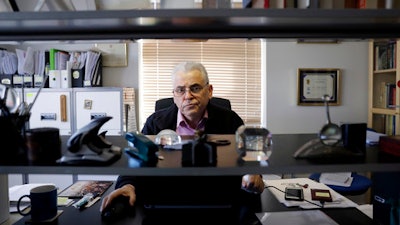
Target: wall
point(283, 59)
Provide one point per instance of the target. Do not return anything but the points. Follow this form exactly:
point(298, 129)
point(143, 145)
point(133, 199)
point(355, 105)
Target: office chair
point(166, 102)
point(359, 185)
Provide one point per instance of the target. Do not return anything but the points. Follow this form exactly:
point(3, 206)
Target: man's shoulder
point(165, 112)
point(160, 120)
point(215, 109)
point(221, 114)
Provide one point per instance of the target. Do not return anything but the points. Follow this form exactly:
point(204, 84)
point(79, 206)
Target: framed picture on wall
point(314, 83)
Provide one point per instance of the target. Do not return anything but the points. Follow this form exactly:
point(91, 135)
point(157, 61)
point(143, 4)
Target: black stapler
point(87, 146)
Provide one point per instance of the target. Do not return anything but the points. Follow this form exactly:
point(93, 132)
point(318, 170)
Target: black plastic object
point(117, 209)
point(199, 152)
point(86, 146)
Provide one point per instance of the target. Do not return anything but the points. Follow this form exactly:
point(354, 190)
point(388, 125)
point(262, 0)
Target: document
point(277, 187)
point(338, 179)
point(17, 191)
point(304, 217)
point(373, 137)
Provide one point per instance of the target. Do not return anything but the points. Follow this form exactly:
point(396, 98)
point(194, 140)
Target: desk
point(343, 216)
point(281, 161)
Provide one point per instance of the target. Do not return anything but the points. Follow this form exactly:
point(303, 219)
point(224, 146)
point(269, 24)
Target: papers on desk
point(339, 201)
point(304, 217)
point(337, 179)
point(17, 191)
point(373, 137)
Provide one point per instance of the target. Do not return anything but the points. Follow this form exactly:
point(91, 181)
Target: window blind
point(233, 65)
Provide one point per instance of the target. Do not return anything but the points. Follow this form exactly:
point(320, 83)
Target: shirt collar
point(181, 123)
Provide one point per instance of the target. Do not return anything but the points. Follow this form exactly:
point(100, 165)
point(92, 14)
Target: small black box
point(354, 136)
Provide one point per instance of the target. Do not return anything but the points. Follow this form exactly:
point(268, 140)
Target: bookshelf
point(384, 75)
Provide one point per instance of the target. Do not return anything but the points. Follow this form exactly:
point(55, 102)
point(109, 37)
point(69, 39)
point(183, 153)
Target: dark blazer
point(220, 120)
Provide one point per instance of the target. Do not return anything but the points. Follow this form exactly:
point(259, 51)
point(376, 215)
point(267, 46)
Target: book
point(390, 144)
point(82, 187)
point(58, 59)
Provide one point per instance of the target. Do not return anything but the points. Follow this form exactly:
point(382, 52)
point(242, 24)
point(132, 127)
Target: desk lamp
point(329, 145)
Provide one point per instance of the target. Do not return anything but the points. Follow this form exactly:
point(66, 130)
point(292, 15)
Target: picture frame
point(314, 83)
point(113, 54)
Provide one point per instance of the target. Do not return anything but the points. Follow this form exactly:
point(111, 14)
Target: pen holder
point(12, 140)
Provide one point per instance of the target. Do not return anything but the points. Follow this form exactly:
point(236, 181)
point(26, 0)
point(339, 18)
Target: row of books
point(385, 124)
point(322, 4)
point(390, 125)
point(385, 55)
point(388, 95)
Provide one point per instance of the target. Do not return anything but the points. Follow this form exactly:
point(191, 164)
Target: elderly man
point(191, 112)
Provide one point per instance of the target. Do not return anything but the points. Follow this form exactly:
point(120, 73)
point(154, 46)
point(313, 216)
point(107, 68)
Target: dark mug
point(43, 145)
point(43, 203)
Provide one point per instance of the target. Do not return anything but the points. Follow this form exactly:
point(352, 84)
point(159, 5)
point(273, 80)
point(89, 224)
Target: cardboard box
point(390, 144)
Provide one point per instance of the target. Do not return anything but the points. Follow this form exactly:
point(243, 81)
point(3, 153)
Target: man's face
point(191, 94)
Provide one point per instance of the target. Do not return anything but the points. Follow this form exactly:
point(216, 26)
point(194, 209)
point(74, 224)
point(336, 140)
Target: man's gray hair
point(189, 66)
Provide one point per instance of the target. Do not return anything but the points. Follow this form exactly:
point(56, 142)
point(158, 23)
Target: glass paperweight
point(253, 143)
point(167, 137)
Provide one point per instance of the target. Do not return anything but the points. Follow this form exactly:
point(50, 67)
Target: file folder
point(55, 78)
point(77, 77)
point(65, 78)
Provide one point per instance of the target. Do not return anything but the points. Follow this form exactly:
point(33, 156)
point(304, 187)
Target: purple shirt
point(183, 128)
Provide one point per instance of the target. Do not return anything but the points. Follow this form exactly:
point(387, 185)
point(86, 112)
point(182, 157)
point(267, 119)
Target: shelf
point(200, 23)
point(383, 111)
point(280, 162)
point(385, 71)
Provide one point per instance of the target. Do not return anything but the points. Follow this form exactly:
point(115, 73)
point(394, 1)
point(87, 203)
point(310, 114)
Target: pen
point(83, 201)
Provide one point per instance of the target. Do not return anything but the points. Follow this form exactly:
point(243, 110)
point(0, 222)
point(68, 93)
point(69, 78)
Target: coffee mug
point(43, 145)
point(43, 203)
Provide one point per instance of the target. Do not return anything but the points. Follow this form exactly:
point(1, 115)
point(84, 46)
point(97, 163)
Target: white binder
point(55, 78)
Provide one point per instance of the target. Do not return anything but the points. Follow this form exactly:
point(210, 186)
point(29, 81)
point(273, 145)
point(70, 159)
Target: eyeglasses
point(194, 89)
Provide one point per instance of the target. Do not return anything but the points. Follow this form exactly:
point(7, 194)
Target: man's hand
point(253, 183)
point(127, 190)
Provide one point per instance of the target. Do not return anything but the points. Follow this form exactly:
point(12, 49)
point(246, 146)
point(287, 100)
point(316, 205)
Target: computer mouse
point(119, 208)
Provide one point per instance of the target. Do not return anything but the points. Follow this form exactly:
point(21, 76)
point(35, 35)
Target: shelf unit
point(384, 75)
point(62, 26)
point(200, 23)
point(357, 24)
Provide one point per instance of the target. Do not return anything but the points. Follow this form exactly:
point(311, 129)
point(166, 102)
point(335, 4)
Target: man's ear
point(210, 91)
